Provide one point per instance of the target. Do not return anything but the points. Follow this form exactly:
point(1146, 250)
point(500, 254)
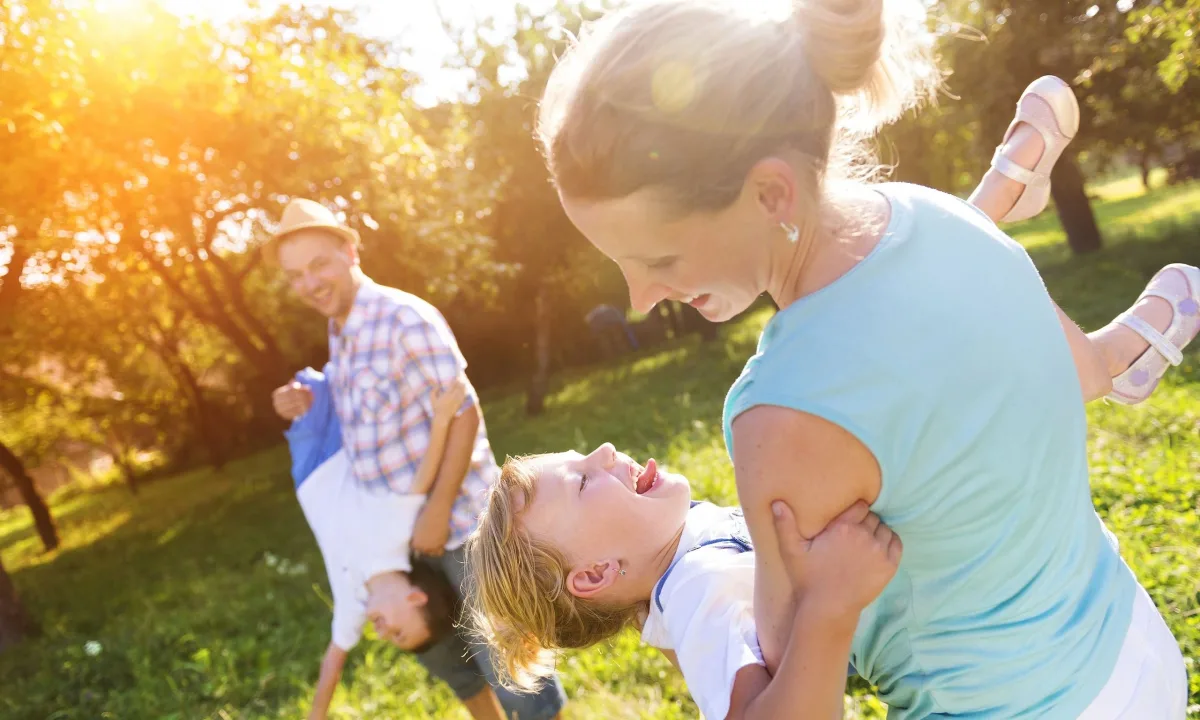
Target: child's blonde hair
point(518, 598)
point(685, 96)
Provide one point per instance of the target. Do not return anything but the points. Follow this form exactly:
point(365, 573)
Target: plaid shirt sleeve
point(427, 356)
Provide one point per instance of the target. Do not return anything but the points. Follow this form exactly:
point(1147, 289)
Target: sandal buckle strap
point(1013, 171)
point(1157, 340)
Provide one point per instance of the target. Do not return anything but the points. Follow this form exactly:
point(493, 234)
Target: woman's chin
point(718, 311)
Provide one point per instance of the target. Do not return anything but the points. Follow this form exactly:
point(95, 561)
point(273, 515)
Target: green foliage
point(194, 620)
point(146, 158)
point(1175, 23)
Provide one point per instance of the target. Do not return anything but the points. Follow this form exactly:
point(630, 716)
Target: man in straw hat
point(390, 353)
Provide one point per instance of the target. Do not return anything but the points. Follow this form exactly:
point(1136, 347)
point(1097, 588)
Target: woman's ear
point(773, 184)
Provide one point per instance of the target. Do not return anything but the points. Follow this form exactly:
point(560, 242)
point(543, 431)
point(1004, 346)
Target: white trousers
point(1149, 681)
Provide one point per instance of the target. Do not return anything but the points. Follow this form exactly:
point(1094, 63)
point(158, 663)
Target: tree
point(1139, 95)
point(15, 622)
point(15, 469)
point(39, 67)
point(1173, 23)
point(528, 223)
point(991, 76)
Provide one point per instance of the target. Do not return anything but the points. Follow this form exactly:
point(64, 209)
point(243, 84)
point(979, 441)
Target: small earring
point(793, 232)
point(621, 572)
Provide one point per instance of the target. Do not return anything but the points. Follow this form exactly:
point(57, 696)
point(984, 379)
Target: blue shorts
point(467, 667)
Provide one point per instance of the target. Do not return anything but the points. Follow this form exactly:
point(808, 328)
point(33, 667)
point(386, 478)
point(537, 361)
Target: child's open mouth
point(648, 478)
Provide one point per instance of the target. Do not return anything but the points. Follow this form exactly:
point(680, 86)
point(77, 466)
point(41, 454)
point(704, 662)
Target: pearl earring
point(793, 232)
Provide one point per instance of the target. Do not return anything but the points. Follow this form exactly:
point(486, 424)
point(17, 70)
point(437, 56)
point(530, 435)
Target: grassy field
point(175, 606)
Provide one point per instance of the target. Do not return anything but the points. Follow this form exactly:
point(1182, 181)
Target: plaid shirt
point(393, 349)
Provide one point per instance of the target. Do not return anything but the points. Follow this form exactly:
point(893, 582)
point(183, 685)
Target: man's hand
point(431, 531)
point(292, 400)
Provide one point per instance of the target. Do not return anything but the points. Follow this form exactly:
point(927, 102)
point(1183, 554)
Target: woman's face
point(717, 262)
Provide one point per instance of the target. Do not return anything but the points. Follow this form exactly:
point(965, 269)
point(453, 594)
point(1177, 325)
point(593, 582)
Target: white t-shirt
point(707, 614)
point(361, 533)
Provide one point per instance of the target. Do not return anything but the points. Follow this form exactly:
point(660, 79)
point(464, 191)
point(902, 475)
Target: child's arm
point(331, 674)
point(445, 406)
point(810, 683)
point(836, 575)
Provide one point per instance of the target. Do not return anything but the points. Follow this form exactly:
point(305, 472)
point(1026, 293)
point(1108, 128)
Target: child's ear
point(417, 597)
point(588, 580)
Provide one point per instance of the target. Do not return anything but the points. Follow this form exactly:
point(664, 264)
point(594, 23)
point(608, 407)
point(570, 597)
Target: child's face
point(605, 513)
point(396, 608)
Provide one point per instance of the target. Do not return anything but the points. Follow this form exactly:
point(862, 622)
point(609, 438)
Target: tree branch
point(176, 287)
point(211, 223)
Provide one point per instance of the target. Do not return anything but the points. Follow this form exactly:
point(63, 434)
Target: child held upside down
point(364, 535)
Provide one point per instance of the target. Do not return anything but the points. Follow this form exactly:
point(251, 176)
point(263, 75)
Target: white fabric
point(708, 616)
point(361, 533)
point(1149, 681)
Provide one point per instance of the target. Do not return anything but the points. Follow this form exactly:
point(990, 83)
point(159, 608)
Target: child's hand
point(447, 402)
point(843, 568)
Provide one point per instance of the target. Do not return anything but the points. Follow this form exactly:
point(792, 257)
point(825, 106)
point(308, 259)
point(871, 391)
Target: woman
point(916, 364)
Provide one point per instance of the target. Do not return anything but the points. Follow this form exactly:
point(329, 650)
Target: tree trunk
point(10, 286)
point(1074, 207)
point(12, 465)
point(120, 452)
point(1144, 166)
point(15, 623)
point(202, 412)
point(535, 403)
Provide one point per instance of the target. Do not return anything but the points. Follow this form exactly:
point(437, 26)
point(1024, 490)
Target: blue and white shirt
point(703, 606)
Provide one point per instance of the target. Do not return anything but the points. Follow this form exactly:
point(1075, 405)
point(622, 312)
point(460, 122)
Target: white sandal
point(1179, 285)
point(1055, 115)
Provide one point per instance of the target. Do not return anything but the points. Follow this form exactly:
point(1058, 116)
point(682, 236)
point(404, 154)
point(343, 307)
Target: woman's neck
point(852, 225)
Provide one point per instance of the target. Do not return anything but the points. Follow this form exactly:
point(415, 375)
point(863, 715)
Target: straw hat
point(301, 214)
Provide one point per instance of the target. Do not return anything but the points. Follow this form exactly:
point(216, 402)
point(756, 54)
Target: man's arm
point(331, 674)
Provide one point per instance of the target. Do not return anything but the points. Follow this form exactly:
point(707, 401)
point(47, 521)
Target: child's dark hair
point(441, 611)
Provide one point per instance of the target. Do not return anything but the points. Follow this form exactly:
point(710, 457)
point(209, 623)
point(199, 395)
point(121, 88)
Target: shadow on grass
point(1093, 288)
point(180, 602)
point(1149, 214)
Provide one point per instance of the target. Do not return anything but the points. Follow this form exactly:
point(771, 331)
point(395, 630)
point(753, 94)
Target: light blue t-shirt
point(315, 436)
point(941, 352)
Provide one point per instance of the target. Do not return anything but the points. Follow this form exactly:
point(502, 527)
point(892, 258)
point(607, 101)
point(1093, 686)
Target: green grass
point(1122, 210)
point(193, 623)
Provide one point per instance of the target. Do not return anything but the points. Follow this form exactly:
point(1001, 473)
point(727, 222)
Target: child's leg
point(1095, 379)
point(997, 193)
point(1108, 352)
